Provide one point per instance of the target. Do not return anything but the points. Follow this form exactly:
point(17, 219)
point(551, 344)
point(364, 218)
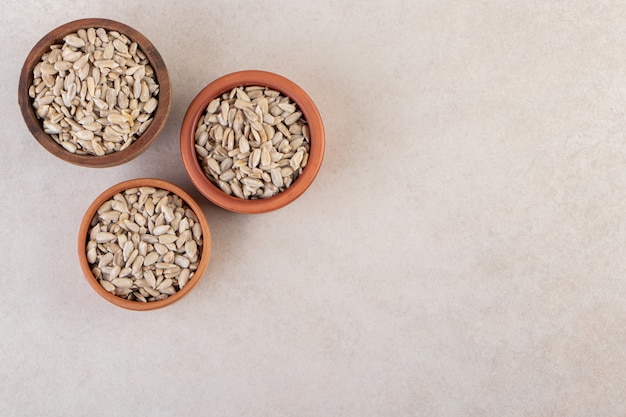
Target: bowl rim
point(245, 78)
point(85, 225)
point(143, 141)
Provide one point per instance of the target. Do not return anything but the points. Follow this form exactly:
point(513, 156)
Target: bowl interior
point(248, 78)
point(34, 124)
point(83, 236)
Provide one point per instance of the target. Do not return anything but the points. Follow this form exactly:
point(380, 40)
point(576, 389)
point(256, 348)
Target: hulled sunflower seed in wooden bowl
point(144, 244)
point(94, 92)
point(252, 141)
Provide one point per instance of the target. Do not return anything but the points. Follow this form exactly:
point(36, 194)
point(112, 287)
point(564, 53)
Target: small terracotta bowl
point(142, 142)
point(247, 78)
point(83, 237)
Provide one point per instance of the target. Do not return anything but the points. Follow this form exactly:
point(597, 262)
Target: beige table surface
point(461, 253)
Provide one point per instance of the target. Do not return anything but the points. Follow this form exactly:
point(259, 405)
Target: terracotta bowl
point(247, 78)
point(142, 142)
point(83, 236)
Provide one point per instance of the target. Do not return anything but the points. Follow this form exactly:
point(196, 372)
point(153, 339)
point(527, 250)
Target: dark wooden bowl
point(142, 142)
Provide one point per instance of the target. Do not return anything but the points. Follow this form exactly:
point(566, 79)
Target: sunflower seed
point(108, 287)
point(250, 128)
point(151, 258)
point(122, 282)
point(130, 262)
point(181, 261)
point(167, 238)
point(74, 40)
point(103, 237)
point(287, 107)
point(183, 277)
point(161, 230)
point(165, 284)
point(105, 260)
point(160, 248)
point(87, 74)
point(92, 255)
point(115, 272)
point(197, 231)
point(191, 248)
point(167, 260)
point(168, 290)
point(151, 105)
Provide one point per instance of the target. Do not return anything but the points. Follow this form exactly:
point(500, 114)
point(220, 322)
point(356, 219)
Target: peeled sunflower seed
point(247, 136)
point(83, 81)
point(143, 263)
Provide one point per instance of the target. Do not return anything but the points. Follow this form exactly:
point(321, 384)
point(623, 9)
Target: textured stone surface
point(461, 252)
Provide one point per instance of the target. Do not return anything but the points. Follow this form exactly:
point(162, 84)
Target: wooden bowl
point(197, 109)
point(83, 237)
point(142, 142)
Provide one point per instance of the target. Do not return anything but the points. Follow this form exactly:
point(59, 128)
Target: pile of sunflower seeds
point(252, 142)
point(144, 244)
point(95, 93)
